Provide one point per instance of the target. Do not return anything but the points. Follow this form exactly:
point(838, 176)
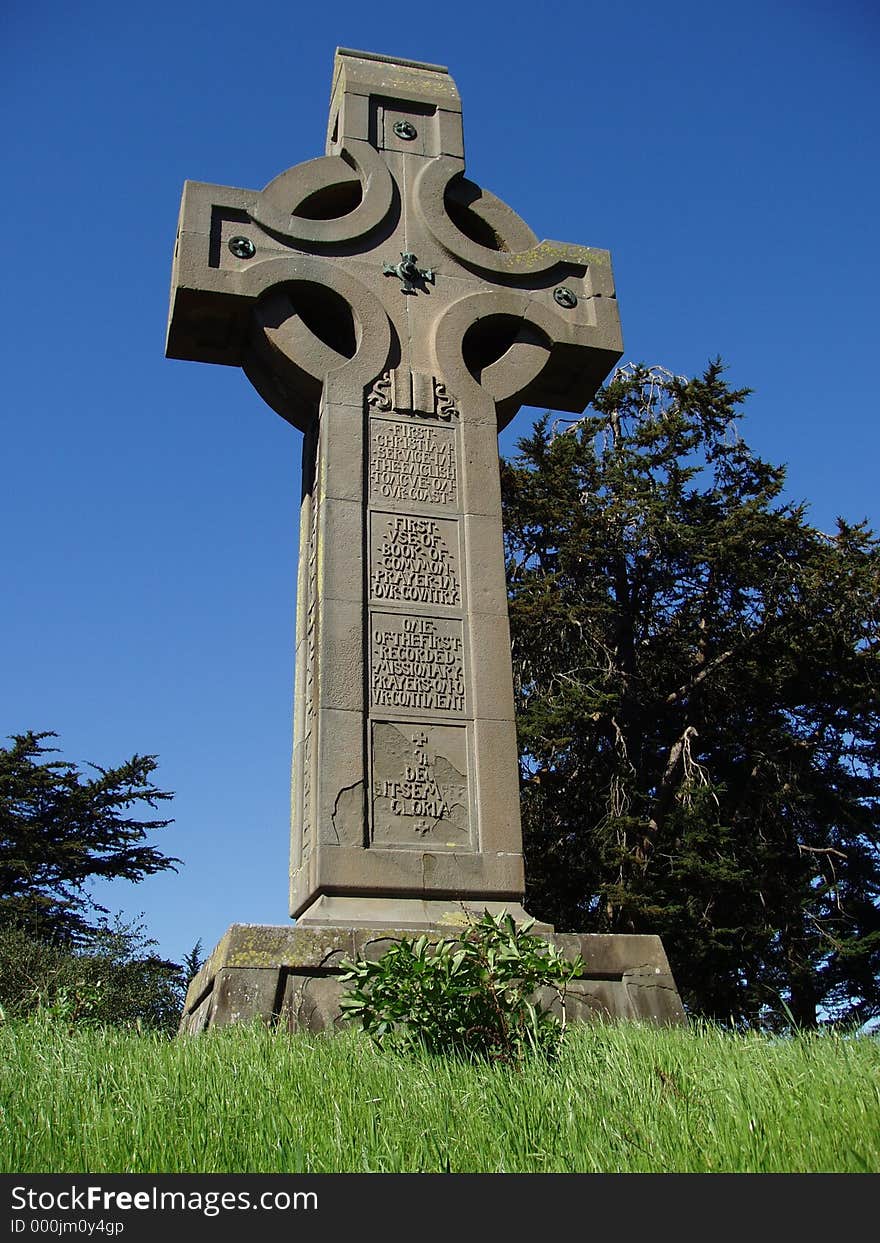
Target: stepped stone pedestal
point(398, 315)
point(289, 975)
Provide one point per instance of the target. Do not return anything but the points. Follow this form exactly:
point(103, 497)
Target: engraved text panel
point(420, 786)
point(414, 560)
point(416, 663)
point(413, 463)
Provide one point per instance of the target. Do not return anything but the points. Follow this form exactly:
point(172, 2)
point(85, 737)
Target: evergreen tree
point(697, 673)
point(58, 830)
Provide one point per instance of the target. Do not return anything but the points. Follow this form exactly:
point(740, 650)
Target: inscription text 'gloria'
point(418, 793)
point(420, 785)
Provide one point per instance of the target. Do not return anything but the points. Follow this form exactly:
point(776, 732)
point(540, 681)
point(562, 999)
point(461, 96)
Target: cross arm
point(209, 307)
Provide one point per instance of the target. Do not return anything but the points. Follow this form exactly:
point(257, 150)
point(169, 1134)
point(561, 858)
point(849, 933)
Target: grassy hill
point(251, 1100)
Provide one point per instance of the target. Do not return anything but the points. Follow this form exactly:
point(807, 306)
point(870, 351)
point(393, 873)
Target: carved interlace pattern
point(445, 404)
point(380, 399)
point(379, 396)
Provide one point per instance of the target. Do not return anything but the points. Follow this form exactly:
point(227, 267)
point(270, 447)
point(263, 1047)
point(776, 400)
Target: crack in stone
point(345, 790)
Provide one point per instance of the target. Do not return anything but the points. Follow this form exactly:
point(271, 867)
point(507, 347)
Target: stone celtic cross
point(398, 315)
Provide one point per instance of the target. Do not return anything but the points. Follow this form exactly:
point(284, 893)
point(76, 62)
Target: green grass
point(249, 1100)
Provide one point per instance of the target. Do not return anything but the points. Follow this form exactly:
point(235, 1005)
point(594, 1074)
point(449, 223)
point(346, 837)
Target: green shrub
point(474, 994)
point(110, 980)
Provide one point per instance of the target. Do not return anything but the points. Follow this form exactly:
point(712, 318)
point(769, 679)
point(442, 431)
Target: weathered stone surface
point(241, 993)
point(290, 974)
point(311, 1003)
point(398, 314)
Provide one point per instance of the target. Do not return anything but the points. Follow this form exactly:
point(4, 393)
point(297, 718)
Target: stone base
point(443, 917)
point(288, 975)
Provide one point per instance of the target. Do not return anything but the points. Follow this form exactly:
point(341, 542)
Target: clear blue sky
point(726, 155)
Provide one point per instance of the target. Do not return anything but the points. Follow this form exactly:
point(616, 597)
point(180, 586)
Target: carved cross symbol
point(290, 283)
point(310, 300)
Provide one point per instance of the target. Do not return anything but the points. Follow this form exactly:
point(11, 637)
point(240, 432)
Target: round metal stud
point(405, 129)
point(242, 247)
point(565, 297)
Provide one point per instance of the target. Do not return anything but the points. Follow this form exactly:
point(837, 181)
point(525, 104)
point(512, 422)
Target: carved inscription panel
point(420, 786)
point(413, 463)
point(414, 560)
point(416, 663)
